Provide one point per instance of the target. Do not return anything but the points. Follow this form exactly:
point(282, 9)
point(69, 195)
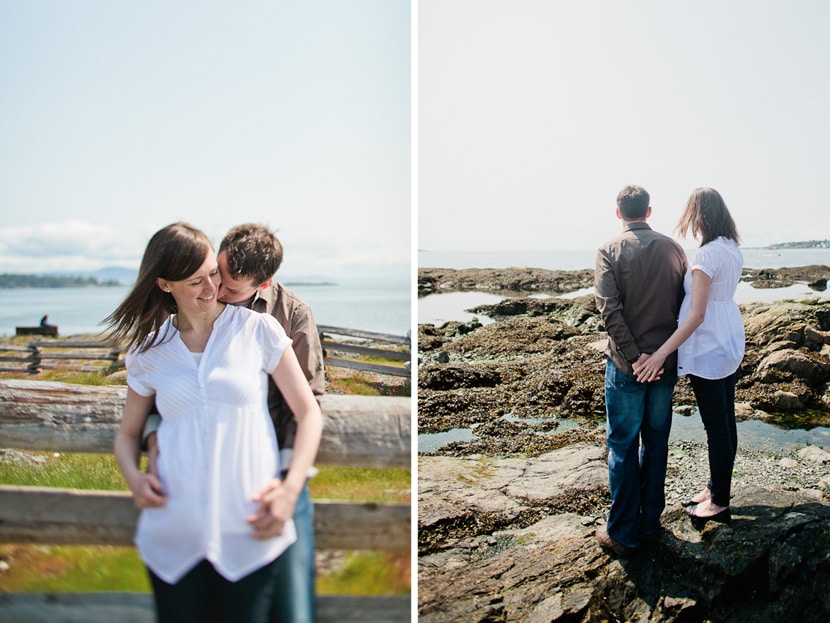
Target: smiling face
point(235, 291)
point(198, 292)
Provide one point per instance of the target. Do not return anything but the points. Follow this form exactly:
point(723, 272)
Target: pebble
point(688, 470)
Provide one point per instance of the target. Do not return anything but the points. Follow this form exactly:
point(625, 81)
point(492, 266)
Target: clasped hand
point(648, 368)
point(276, 507)
point(275, 502)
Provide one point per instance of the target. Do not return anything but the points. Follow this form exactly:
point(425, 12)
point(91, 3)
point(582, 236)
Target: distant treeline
point(808, 244)
point(10, 280)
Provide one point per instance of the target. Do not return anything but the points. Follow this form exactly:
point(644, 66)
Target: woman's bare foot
point(707, 509)
point(703, 496)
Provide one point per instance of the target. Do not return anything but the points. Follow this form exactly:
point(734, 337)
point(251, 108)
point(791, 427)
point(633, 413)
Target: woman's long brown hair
point(173, 253)
point(707, 217)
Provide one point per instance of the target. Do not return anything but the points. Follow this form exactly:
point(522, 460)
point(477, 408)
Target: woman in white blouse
point(710, 344)
point(206, 365)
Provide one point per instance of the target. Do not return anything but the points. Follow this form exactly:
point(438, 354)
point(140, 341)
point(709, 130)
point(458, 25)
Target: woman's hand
point(146, 488)
point(276, 506)
point(649, 368)
point(147, 491)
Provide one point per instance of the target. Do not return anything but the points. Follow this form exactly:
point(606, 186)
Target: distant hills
point(12, 280)
point(103, 278)
point(808, 244)
point(111, 276)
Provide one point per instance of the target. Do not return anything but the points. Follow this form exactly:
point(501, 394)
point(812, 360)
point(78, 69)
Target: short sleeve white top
point(716, 348)
point(217, 445)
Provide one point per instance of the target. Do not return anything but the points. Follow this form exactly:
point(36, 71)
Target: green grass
point(38, 568)
point(65, 470)
point(362, 484)
point(369, 573)
point(42, 568)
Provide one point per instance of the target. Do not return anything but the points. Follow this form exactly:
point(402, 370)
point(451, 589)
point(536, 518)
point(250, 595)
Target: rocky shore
point(506, 521)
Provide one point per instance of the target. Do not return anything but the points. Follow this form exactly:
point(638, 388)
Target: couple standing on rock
point(665, 318)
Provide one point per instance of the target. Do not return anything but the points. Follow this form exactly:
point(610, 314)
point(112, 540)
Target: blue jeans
point(716, 403)
point(293, 597)
point(638, 426)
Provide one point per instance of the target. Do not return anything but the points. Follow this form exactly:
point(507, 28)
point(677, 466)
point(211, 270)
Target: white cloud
point(67, 246)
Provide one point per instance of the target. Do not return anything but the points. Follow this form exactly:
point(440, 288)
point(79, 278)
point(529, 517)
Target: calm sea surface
point(382, 306)
point(575, 260)
point(440, 308)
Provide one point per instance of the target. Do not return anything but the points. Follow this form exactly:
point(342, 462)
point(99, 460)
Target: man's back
point(639, 289)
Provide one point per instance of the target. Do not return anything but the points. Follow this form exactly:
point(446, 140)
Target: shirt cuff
point(150, 426)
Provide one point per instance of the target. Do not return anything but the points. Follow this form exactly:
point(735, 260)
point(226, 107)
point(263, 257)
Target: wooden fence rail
point(95, 356)
point(40, 415)
point(335, 347)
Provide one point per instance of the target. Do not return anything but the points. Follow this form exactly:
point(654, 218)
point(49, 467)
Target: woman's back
point(716, 348)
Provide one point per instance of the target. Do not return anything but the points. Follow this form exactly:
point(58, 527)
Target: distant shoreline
point(21, 282)
point(17, 281)
point(809, 244)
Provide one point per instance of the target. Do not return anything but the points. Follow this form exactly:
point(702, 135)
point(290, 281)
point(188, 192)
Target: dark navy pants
point(716, 403)
point(204, 596)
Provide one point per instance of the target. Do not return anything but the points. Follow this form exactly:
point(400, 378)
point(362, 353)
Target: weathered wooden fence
point(88, 356)
point(335, 349)
point(38, 415)
point(94, 356)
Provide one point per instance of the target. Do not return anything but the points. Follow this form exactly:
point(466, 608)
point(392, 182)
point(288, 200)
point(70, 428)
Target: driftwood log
point(366, 431)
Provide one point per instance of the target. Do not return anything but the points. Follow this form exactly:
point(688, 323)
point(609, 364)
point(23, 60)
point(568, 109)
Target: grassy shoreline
point(52, 568)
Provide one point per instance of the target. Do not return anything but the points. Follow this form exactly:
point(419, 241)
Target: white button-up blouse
point(217, 446)
point(716, 348)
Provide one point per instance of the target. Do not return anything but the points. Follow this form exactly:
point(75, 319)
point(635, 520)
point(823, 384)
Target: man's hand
point(276, 507)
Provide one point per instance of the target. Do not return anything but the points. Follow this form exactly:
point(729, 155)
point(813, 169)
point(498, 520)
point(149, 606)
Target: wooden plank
point(78, 355)
point(18, 349)
point(66, 516)
point(369, 431)
point(127, 607)
point(25, 369)
point(394, 355)
point(74, 344)
point(377, 609)
point(20, 359)
point(368, 367)
point(39, 330)
point(51, 515)
point(369, 335)
point(380, 527)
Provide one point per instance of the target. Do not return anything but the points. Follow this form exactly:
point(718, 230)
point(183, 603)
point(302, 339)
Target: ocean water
point(444, 307)
point(584, 258)
point(382, 306)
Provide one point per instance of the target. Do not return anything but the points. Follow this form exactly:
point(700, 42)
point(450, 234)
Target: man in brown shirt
point(249, 256)
point(639, 288)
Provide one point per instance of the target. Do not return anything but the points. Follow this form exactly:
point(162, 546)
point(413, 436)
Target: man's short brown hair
point(254, 252)
point(632, 201)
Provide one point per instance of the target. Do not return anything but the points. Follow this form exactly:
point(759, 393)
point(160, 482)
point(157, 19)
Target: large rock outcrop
point(513, 540)
point(542, 358)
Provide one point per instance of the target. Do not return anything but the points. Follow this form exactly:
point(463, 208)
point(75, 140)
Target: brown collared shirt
point(638, 283)
point(295, 316)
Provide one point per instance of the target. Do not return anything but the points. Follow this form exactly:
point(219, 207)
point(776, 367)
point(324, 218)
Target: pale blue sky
point(533, 114)
point(118, 118)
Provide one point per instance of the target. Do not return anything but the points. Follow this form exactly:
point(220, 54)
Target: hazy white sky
point(532, 114)
point(118, 118)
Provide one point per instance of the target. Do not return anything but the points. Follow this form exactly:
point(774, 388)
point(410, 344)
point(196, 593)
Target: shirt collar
point(637, 225)
point(264, 299)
